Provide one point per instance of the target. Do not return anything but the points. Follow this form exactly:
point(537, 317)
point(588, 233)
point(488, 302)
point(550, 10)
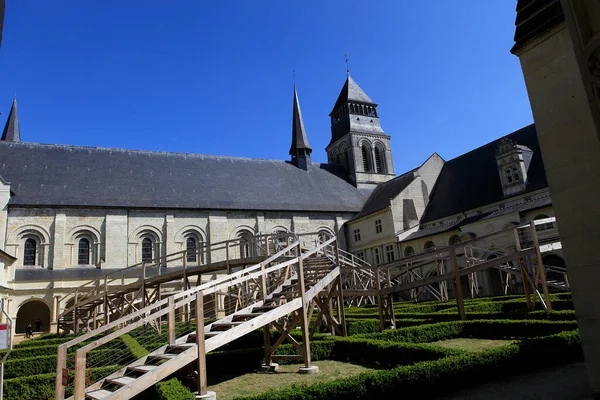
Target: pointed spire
point(300, 149)
point(11, 131)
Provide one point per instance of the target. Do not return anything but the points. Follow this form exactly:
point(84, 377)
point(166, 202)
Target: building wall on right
point(560, 67)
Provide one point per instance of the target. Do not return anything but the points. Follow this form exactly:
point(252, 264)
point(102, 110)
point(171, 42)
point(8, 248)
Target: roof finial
point(347, 68)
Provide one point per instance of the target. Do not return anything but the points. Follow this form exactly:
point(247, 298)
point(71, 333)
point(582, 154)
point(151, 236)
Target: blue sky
point(216, 77)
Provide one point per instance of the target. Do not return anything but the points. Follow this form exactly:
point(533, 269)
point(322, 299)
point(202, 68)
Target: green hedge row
point(45, 364)
point(433, 378)
point(41, 387)
point(42, 342)
point(173, 389)
point(484, 329)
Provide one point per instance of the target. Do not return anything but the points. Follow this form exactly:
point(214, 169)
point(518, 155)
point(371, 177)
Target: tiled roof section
point(535, 17)
point(57, 175)
point(383, 193)
point(299, 140)
point(433, 230)
point(11, 132)
point(351, 92)
point(471, 181)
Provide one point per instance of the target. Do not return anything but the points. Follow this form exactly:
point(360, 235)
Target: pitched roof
point(351, 92)
point(54, 175)
point(472, 180)
point(384, 192)
point(299, 140)
point(11, 131)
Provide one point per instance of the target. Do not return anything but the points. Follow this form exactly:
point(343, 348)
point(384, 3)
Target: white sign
point(3, 336)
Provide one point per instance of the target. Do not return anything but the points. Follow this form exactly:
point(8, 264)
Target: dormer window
point(512, 174)
point(513, 162)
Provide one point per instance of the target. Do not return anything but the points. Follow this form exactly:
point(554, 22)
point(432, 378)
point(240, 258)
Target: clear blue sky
point(216, 77)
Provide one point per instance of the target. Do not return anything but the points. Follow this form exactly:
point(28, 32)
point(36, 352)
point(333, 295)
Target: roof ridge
point(150, 152)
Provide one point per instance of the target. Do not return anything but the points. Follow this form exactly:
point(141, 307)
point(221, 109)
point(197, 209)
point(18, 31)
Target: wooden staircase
point(315, 276)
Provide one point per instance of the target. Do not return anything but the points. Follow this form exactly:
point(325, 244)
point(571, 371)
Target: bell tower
point(357, 141)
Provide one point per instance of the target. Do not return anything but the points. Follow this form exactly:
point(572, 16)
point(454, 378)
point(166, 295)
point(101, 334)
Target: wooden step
point(98, 394)
point(218, 324)
point(143, 368)
point(163, 356)
point(121, 381)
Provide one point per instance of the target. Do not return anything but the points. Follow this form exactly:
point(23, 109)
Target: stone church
point(69, 214)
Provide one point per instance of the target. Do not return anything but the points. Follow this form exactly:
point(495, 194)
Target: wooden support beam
point(304, 319)
point(457, 284)
point(171, 321)
point(541, 271)
point(379, 300)
point(524, 274)
point(202, 383)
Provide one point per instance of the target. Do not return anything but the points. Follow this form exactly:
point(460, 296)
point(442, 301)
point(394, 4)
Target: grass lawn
point(255, 383)
point(472, 344)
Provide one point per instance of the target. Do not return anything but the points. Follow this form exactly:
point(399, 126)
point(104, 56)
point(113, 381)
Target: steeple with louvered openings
point(300, 150)
point(358, 142)
point(11, 131)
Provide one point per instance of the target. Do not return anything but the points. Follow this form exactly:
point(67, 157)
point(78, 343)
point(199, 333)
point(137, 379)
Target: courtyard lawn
point(473, 344)
point(255, 383)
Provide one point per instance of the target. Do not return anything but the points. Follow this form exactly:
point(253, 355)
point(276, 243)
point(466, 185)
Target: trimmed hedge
point(41, 387)
point(136, 350)
point(45, 364)
point(484, 329)
point(173, 389)
point(39, 342)
point(432, 378)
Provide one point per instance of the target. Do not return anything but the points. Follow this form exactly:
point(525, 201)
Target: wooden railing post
point(61, 365)
point(202, 385)
point(75, 324)
point(524, 274)
point(80, 359)
point(263, 278)
point(379, 300)
point(342, 310)
point(308, 368)
point(541, 272)
point(171, 321)
point(391, 299)
point(457, 284)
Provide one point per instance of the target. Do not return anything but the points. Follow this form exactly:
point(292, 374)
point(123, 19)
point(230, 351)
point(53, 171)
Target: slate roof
point(535, 17)
point(57, 175)
point(443, 228)
point(472, 180)
point(351, 92)
point(11, 132)
point(299, 140)
point(384, 192)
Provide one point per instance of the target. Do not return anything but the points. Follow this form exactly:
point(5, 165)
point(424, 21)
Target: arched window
point(454, 240)
point(190, 246)
point(324, 236)
point(365, 158)
point(83, 252)
point(29, 252)
point(429, 246)
point(246, 244)
point(379, 161)
point(147, 245)
point(409, 251)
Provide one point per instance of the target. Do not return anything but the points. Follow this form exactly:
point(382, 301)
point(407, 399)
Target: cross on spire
point(347, 68)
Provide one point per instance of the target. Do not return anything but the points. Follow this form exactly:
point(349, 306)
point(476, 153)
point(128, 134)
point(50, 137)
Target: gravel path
point(560, 383)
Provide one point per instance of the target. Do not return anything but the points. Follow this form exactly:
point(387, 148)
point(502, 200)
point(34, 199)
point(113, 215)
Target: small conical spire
point(300, 149)
point(11, 131)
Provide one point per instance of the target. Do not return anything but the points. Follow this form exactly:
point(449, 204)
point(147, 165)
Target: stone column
point(59, 257)
point(558, 44)
point(116, 241)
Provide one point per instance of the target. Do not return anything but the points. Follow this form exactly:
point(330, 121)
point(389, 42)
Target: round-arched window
point(83, 251)
point(409, 251)
point(454, 240)
point(147, 250)
point(29, 252)
point(429, 246)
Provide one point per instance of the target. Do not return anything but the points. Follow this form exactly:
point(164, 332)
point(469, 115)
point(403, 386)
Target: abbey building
point(69, 214)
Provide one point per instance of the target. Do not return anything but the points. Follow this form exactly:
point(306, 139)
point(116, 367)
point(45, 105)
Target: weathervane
point(347, 68)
